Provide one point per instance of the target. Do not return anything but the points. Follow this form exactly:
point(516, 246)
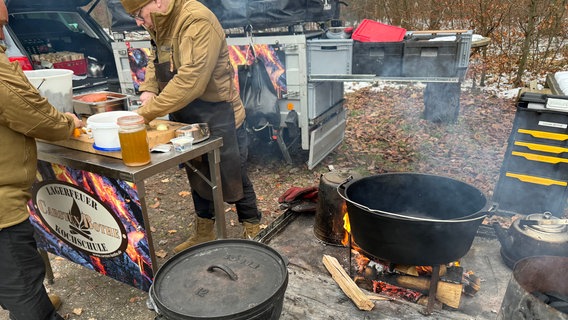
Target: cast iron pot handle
point(225, 268)
point(343, 186)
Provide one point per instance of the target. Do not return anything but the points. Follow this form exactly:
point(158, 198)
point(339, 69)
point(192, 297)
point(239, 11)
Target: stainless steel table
point(67, 167)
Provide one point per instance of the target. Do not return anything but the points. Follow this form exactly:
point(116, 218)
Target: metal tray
point(115, 102)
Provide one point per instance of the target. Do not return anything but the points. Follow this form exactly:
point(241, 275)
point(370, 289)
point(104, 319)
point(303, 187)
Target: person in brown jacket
point(24, 116)
point(191, 79)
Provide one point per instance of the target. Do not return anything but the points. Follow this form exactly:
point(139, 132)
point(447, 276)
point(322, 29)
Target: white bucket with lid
point(104, 129)
point(56, 85)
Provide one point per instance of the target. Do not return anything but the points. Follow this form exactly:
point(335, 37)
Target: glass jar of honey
point(133, 140)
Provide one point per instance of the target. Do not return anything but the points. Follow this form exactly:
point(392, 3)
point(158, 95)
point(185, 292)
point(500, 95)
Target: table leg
point(214, 160)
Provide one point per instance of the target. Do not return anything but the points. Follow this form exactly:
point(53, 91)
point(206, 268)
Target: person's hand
point(78, 122)
point(145, 96)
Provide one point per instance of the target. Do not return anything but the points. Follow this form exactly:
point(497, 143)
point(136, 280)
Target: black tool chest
point(534, 174)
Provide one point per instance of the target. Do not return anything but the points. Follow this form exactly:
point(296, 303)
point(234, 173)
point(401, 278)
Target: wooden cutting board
point(155, 137)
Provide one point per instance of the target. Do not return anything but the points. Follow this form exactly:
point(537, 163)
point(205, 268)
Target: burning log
point(471, 282)
point(349, 287)
point(395, 291)
point(418, 270)
point(447, 293)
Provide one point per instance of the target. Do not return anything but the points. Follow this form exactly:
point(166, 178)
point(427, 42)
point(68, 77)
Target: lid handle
point(225, 268)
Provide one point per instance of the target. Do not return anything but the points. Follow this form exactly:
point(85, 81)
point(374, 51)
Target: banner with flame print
point(92, 220)
point(273, 58)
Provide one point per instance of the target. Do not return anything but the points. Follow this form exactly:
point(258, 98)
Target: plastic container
point(329, 56)
point(378, 58)
point(79, 67)
point(104, 129)
point(182, 143)
point(373, 31)
point(133, 140)
point(56, 85)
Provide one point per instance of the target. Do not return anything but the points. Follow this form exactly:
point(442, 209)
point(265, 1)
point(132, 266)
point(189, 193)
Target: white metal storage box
point(329, 56)
point(322, 96)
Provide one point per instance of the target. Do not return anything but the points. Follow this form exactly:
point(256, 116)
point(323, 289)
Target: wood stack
point(410, 283)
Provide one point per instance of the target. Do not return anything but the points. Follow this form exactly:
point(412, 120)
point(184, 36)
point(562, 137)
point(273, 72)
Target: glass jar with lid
point(133, 140)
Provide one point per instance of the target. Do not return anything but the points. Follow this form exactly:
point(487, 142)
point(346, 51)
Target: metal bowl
point(199, 132)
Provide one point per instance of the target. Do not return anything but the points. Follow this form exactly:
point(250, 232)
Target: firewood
point(363, 283)
point(447, 293)
point(472, 283)
point(423, 301)
point(346, 284)
point(406, 269)
point(417, 270)
point(374, 296)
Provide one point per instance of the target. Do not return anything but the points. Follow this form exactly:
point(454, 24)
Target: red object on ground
point(373, 31)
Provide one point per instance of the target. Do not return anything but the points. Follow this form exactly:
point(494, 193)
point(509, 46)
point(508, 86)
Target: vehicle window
point(44, 22)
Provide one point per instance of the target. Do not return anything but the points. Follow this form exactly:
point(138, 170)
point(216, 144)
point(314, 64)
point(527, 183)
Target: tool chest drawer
point(527, 194)
point(534, 173)
point(540, 159)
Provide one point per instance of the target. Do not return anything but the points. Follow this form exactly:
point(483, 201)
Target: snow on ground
point(502, 91)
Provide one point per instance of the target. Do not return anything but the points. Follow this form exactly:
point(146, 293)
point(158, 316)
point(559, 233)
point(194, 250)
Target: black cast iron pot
point(222, 280)
point(412, 218)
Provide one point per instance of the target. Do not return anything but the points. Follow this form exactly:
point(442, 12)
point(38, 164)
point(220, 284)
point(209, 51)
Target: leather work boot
point(250, 230)
point(55, 301)
point(203, 231)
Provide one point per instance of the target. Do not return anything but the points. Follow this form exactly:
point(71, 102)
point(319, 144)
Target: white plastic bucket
point(56, 85)
point(105, 130)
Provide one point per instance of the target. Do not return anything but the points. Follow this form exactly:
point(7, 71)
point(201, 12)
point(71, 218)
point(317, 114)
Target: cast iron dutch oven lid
point(220, 279)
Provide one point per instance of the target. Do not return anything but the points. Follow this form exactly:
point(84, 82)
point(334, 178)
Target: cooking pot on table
point(413, 218)
point(229, 279)
point(534, 235)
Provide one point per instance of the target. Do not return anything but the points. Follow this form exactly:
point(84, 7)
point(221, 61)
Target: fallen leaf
point(165, 180)
point(184, 193)
point(78, 311)
point(172, 231)
point(161, 253)
point(155, 205)
point(152, 229)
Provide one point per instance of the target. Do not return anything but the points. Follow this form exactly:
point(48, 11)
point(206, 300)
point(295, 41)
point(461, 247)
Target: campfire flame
point(346, 225)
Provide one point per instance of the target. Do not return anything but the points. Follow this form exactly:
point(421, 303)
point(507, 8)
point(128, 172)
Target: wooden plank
point(447, 293)
point(85, 143)
point(349, 287)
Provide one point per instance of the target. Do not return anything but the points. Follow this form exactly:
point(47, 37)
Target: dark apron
point(220, 117)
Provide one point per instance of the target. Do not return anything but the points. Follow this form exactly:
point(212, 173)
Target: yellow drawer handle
point(545, 135)
point(536, 180)
point(541, 147)
point(536, 157)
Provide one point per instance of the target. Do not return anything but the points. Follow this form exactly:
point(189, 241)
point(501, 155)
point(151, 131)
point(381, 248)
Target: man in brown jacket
point(191, 79)
point(24, 116)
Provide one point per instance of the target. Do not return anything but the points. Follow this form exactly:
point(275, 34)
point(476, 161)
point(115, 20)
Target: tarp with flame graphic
point(85, 209)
